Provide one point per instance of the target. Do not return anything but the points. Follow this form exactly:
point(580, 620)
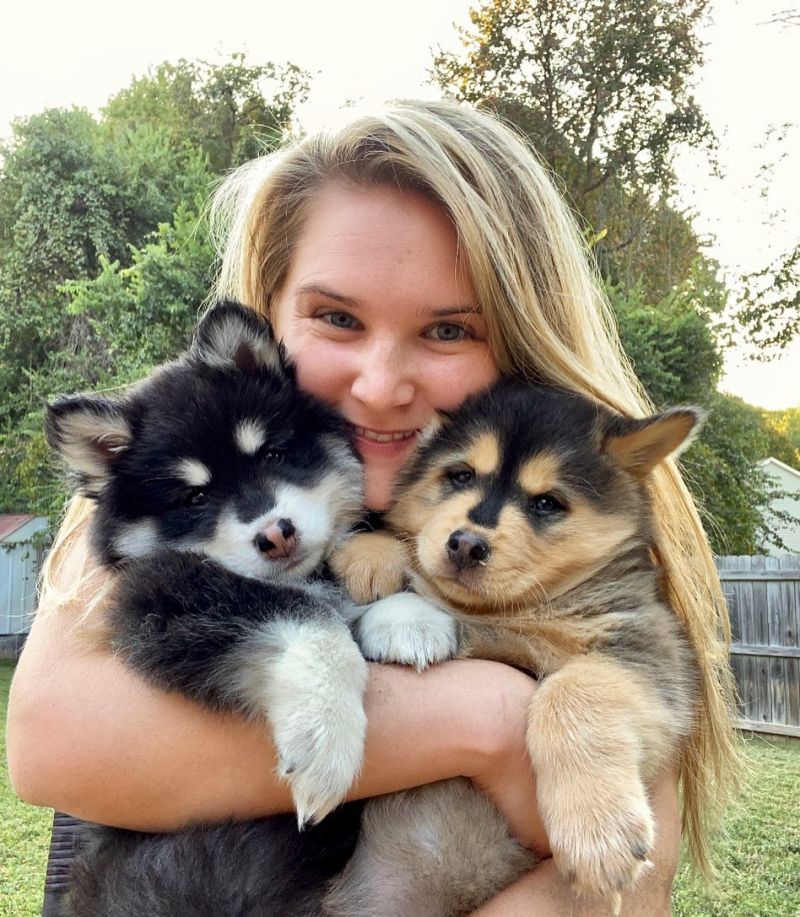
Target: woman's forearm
point(88, 737)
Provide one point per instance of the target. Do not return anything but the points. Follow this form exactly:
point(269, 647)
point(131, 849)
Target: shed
point(788, 480)
point(20, 559)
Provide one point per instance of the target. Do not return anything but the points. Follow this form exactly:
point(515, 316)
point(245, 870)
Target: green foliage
point(605, 86)
point(104, 261)
point(729, 486)
point(671, 345)
point(674, 349)
point(603, 90)
point(230, 111)
point(786, 424)
point(770, 304)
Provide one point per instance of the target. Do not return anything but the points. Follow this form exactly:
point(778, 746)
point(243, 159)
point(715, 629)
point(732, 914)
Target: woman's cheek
point(320, 372)
point(450, 381)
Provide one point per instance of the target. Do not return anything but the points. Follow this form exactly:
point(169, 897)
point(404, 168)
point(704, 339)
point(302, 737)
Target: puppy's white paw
point(408, 629)
point(315, 705)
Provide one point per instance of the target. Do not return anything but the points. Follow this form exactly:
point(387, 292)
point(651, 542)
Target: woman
point(405, 260)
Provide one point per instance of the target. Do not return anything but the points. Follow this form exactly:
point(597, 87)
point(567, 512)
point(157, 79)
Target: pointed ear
point(231, 335)
point(639, 445)
point(90, 434)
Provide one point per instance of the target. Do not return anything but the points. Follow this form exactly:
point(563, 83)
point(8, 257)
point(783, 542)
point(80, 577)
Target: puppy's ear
point(231, 335)
point(639, 445)
point(89, 433)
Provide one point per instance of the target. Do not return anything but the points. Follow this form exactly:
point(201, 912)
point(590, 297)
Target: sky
point(58, 53)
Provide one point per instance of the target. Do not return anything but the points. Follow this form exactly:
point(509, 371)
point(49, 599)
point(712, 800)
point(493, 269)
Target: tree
point(232, 111)
point(786, 425)
point(675, 352)
point(104, 262)
point(603, 91)
point(769, 309)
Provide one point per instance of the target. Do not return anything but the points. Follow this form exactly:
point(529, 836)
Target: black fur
point(201, 605)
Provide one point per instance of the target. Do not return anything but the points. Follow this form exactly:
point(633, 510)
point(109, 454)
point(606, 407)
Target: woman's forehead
point(357, 237)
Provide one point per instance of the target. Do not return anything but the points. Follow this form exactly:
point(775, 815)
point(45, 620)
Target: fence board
point(762, 595)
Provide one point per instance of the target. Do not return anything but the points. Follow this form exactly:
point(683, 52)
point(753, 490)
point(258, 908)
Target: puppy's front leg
point(310, 677)
point(589, 729)
point(407, 629)
point(371, 565)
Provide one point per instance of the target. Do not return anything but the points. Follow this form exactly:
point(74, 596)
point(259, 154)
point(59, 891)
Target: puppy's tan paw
point(603, 840)
point(371, 565)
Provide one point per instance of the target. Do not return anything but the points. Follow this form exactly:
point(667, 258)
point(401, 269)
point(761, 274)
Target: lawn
point(758, 856)
point(24, 835)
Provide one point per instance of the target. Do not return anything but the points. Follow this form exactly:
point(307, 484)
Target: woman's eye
point(340, 320)
point(546, 505)
point(450, 333)
point(461, 477)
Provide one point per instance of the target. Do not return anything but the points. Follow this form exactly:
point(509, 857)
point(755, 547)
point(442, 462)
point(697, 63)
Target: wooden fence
point(764, 603)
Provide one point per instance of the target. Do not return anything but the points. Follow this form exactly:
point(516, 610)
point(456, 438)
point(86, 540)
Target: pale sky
point(56, 53)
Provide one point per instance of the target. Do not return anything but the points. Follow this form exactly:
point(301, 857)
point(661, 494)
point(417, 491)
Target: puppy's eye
point(196, 498)
point(461, 477)
point(274, 455)
point(546, 505)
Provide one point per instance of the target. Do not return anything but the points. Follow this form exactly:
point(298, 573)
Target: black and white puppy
point(220, 490)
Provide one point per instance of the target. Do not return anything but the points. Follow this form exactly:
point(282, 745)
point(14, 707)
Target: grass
point(758, 856)
point(24, 834)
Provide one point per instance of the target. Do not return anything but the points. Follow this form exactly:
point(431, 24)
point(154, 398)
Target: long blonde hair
point(547, 318)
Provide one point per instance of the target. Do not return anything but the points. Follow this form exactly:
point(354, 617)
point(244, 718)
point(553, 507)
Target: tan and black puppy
point(526, 526)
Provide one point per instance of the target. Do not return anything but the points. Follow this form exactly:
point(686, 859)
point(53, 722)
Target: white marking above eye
point(193, 472)
point(250, 436)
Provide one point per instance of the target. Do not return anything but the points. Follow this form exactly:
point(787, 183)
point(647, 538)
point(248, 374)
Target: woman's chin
point(378, 486)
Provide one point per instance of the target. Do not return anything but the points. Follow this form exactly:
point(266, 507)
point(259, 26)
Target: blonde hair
point(547, 319)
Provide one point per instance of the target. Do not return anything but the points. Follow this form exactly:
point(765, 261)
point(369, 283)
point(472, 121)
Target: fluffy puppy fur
point(220, 491)
point(525, 527)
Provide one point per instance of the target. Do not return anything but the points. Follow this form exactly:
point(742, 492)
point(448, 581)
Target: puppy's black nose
point(466, 549)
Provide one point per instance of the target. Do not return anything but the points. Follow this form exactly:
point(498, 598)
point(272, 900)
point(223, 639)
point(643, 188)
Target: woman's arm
point(87, 736)
point(545, 893)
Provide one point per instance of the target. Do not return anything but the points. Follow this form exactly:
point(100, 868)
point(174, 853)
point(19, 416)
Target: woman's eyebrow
point(443, 312)
point(328, 294)
point(456, 310)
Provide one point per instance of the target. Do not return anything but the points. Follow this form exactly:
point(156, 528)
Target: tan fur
point(523, 569)
point(419, 502)
point(540, 474)
point(462, 835)
point(576, 601)
point(484, 454)
point(640, 451)
point(373, 564)
point(590, 726)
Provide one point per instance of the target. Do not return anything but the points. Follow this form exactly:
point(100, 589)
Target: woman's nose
point(383, 378)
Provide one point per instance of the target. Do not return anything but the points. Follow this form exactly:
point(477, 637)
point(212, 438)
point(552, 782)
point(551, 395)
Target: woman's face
point(381, 320)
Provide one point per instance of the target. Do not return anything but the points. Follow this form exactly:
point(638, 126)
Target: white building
point(20, 558)
point(788, 480)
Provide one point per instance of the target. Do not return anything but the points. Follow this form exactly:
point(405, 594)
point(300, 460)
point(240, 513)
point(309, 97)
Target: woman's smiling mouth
point(378, 436)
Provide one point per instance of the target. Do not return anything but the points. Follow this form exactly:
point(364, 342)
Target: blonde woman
point(406, 260)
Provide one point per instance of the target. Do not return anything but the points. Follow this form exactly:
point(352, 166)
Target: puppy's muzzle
point(466, 549)
point(278, 539)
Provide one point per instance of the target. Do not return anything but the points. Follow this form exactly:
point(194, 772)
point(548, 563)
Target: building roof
point(10, 524)
point(780, 464)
